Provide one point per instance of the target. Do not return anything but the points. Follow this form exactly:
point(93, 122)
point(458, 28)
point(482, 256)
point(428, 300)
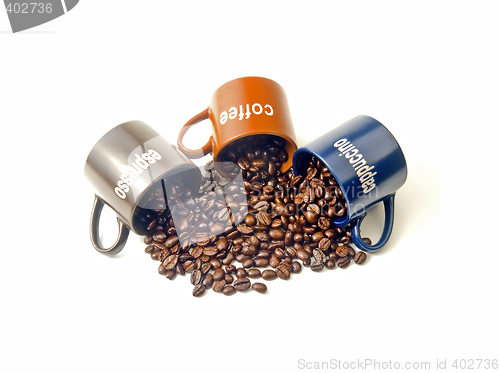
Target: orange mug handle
point(195, 153)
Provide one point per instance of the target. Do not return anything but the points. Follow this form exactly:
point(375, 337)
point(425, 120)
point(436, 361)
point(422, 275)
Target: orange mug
point(244, 107)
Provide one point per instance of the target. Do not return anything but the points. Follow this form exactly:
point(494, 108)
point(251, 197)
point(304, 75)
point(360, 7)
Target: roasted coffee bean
point(319, 256)
point(264, 218)
point(230, 269)
point(302, 254)
point(343, 262)
point(352, 252)
point(196, 277)
point(360, 257)
point(259, 287)
point(244, 229)
point(330, 264)
point(342, 251)
point(241, 272)
point(324, 244)
point(208, 280)
point(323, 223)
point(282, 272)
point(268, 274)
point(198, 290)
point(367, 241)
point(247, 263)
point(250, 220)
point(148, 240)
point(254, 273)
point(170, 261)
point(218, 285)
point(218, 274)
point(316, 265)
point(242, 284)
point(261, 262)
point(161, 270)
point(229, 290)
point(170, 274)
point(229, 278)
point(296, 267)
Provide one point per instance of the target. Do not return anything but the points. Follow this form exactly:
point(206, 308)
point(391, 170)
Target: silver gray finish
point(122, 166)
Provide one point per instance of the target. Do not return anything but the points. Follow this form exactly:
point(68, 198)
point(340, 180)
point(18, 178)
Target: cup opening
point(177, 184)
point(275, 150)
point(301, 159)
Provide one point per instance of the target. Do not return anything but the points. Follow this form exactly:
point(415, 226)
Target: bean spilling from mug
point(253, 222)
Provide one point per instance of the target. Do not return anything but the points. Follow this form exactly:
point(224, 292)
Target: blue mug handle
point(388, 223)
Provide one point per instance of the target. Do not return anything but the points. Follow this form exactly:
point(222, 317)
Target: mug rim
point(304, 150)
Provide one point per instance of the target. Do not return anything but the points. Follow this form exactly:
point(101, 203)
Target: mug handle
point(123, 230)
point(196, 153)
point(386, 233)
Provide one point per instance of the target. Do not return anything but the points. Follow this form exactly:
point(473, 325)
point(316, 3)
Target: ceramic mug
point(240, 108)
point(369, 167)
point(122, 167)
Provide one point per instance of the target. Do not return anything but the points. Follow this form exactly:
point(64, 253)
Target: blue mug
point(369, 166)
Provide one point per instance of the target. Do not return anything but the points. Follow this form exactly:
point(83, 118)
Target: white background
point(428, 70)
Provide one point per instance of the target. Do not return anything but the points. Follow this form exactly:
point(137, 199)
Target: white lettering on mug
point(140, 164)
point(358, 162)
point(245, 111)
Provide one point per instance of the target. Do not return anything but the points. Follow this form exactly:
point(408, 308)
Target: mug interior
point(301, 159)
point(162, 194)
point(289, 147)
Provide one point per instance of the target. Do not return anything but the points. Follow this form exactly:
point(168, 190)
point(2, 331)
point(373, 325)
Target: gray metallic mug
point(129, 161)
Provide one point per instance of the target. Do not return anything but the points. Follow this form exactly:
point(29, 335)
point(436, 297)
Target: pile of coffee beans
point(255, 222)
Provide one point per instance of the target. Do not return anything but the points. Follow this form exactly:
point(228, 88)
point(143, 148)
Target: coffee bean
point(208, 280)
point(330, 264)
point(367, 241)
point(247, 263)
point(316, 265)
point(218, 285)
point(324, 244)
point(360, 257)
point(254, 273)
point(210, 250)
point(343, 262)
point(196, 277)
point(319, 256)
point(242, 284)
point(219, 274)
point(259, 287)
point(198, 290)
point(276, 234)
point(261, 262)
point(241, 272)
point(264, 218)
point(282, 272)
point(302, 254)
point(342, 251)
point(229, 290)
point(170, 274)
point(323, 223)
point(268, 274)
point(244, 229)
point(170, 261)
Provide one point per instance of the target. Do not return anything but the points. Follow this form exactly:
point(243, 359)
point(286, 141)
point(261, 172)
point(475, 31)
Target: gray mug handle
point(95, 217)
